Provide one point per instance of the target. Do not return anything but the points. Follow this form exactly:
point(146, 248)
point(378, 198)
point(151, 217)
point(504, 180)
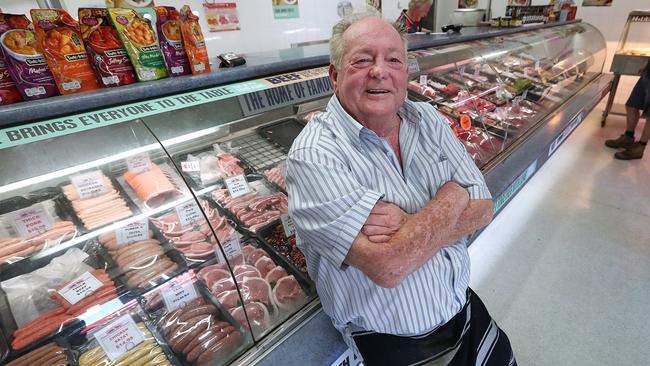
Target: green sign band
point(513, 188)
point(25, 134)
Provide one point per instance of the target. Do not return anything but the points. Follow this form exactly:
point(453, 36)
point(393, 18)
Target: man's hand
point(384, 220)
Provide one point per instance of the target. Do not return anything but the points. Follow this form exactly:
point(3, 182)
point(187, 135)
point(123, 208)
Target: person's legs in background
point(634, 104)
point(635, 151)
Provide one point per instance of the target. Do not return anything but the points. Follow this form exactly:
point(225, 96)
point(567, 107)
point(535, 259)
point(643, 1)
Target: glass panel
point(86, 226)
point(492, 91)
point(234, 165)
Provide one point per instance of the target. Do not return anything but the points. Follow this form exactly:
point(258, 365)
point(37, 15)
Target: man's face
point(371, 83)
point(420, 12)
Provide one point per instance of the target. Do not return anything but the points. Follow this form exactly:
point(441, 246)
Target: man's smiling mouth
point(376, 91)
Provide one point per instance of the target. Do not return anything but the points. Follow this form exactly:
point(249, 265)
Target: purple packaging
point(26, 63)
point(171, 44)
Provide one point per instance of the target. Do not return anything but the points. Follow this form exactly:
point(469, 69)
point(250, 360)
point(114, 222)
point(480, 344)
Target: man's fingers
point(379, 238)
point(378, 220)
point(376, 230)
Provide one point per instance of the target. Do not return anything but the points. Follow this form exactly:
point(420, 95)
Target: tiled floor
point(565, 268)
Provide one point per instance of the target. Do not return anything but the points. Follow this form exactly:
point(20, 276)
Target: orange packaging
point(465, 122)
point(59, 36)
point(194, 42)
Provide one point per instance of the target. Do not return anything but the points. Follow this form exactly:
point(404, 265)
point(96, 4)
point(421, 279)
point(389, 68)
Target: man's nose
point(379, 70)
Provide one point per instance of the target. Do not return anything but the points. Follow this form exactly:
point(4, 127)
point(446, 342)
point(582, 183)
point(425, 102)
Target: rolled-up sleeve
point(328, 206)
point(463, 169)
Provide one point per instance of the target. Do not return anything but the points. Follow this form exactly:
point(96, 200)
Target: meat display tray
point(283, 132)
point(195, 181)
point(257, 151)
point(263, 236)
point(8, 324)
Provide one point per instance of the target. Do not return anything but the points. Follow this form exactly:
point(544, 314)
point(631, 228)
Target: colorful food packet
point(169, 36)
point(23, 59)
point(194, 42)
point(8, 91)
point(58, 34)
point(107, 55)
point(140, 43)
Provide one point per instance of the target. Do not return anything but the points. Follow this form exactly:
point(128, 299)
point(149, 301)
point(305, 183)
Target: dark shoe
point(633, 152)
point(623, 141)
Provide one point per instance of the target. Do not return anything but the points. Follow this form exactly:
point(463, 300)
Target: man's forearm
point(477, 215)
point(419, 239)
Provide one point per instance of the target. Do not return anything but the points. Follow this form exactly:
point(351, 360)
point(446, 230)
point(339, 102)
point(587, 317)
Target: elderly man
point(383, 197)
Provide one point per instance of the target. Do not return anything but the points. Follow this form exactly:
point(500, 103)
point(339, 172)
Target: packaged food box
point(140, 43)
point(8, 91)
point(59, 37)
point(107, 55)
point(24, 59)
point(194, 42)
point(168, 28)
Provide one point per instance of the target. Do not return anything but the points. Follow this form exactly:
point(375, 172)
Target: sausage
point(141, 276)
point(137, 352)
point(200, 338)
point(153, 354)
point(42, 331)
point(197, 311)
point(185, 326)
point(222, 345)
point(29, 358)
point(94, 301)
point(195, 352)
point(140, 260)
point(56, 358)
point(170, 268)
point(179, 342)
point(134, 248)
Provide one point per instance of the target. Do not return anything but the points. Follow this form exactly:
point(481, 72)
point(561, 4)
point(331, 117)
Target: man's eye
point(396, 60)
point(362, 61)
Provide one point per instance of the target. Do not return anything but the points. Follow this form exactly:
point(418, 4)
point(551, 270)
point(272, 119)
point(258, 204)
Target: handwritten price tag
point(135, 231)
point(190, 166)
point(423, 79)
point(138, 163)
point(119, 337)
point(412, 65)
point(89, 185)
point(179, 292)
point(32, 221)
point(188, 213)
point(80, 288)
point(288, 225)
point(237, 185)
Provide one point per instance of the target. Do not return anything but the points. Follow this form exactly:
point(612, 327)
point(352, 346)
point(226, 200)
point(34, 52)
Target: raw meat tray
point(257, 151)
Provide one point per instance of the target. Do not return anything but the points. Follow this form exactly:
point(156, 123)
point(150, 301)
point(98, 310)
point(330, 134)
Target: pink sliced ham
point(274, 275)
point(212, 274)
point(257, 313)
point(256, 289)
point(264, 265)
point(288, 295)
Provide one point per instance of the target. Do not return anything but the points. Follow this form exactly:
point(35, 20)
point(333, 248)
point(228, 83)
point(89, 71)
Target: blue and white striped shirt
point(335, 173)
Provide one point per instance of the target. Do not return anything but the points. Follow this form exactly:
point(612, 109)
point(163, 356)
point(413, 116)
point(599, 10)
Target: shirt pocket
point(439, 174)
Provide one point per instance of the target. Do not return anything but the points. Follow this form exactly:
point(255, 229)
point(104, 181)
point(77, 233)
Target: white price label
point(537, 65)
point(188, 213)
point(135, 231)
point(32, 221)
point(423, 79)
point(190, 166)
point(462, 70)
point(119, 337)
point(179, 292)
point(412, 66)
point(89, 185)
point(287, 224)
point(80, 288)
point(525, 94)
point(138, 163)
point(237, 185)
point(231, 246)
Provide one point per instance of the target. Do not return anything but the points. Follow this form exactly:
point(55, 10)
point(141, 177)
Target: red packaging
point(104, 47)
point(59, 37)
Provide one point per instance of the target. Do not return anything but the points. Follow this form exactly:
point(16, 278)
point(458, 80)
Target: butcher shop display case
point(158, 230)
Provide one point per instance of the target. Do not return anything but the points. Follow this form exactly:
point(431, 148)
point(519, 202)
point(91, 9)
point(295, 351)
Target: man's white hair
point(337, 45)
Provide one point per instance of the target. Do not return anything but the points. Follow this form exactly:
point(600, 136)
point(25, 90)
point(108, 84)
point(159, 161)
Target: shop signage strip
point(513, 188)
point(55, 127)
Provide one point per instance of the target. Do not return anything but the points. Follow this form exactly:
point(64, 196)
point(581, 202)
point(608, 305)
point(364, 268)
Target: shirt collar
point(354, 131)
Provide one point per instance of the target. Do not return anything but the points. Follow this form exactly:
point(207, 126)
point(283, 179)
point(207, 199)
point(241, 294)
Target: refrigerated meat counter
point(157, 230)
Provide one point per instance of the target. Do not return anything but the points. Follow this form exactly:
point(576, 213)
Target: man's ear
point(333, 75)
